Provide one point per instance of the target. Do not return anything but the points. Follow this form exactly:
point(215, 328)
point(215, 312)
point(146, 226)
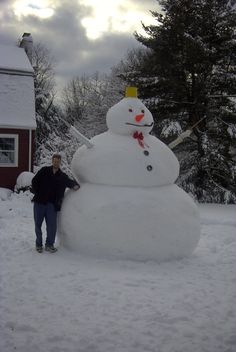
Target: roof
point(14, 60)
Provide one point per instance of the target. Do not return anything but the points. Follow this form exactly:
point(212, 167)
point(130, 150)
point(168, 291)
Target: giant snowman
point(128, 206)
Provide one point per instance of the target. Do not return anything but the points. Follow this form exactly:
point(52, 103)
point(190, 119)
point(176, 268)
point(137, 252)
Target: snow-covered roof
point(14, 59)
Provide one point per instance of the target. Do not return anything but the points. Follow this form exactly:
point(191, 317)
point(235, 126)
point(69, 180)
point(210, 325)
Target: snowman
point(128, 206)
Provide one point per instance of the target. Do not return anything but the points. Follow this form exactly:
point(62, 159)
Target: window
point(8, 150)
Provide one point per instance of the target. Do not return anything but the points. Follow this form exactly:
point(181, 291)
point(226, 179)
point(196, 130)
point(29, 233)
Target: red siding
point(8, 175)
point(32, 151)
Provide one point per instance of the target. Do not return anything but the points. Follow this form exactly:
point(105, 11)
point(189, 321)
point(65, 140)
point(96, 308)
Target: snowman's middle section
point(120, 160)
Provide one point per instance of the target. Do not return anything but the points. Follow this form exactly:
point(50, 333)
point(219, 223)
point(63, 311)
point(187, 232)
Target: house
point(17, 113)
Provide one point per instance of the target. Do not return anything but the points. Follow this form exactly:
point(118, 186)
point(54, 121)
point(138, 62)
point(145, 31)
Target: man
point(48, 186)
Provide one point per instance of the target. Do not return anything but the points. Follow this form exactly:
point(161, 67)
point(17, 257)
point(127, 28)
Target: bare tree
point(43, 65)
point(87, 99)
point(46, 112)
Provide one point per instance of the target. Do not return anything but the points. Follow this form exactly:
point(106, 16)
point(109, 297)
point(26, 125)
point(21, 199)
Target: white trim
point(15, 127)
point(16, 72)
point(16, 138)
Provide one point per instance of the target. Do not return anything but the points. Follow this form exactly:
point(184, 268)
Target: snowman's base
point(149, 223)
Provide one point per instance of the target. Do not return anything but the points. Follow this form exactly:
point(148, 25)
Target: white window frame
point(16, 138)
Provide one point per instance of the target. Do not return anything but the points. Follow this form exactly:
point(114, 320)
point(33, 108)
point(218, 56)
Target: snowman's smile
point(138, 125)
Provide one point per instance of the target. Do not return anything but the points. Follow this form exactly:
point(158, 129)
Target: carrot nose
point(139, 117)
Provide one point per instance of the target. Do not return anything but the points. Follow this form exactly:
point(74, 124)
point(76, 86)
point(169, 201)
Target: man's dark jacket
point(49, 187)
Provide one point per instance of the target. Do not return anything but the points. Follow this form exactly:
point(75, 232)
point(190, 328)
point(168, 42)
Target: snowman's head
point(129, 115)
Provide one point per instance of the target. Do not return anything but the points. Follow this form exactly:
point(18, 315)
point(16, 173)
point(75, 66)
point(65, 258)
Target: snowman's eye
point(130, 110)
point(142, 111)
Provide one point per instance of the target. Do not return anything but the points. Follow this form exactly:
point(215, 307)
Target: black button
point(146, 152)
point(149, 167)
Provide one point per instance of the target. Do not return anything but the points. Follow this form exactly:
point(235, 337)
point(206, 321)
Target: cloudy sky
point(84, 36)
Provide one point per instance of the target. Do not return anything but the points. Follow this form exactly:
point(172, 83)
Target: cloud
point(64, 34)
point(100, 55)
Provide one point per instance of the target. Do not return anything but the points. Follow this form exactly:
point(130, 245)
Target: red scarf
point(139, 136)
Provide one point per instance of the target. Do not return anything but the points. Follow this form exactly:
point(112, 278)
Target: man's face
point(56, 162)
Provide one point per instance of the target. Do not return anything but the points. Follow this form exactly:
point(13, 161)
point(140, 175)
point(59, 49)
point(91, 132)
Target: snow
point(128, 116)
point(24, 180)
point(66, 302)
point(149, 223)
point(5, 193)
point(17, 101)
point(119, 161)
point(128, 206)
point(13, 58)
point(172, 128)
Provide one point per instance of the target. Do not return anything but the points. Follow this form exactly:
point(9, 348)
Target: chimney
point(27, 44)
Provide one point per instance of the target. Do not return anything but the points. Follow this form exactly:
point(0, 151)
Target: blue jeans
point(47, 212)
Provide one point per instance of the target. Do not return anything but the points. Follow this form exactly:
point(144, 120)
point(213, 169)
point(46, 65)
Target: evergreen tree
point(188, 76)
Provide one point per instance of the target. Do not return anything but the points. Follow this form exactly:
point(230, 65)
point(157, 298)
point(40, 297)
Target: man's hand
point(76, 187)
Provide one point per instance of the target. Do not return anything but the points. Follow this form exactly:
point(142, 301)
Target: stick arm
point(180, 139)
point(77, 134)
point(81, 137)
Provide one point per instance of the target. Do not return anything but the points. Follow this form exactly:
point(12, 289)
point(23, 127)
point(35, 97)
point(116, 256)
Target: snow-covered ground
point(67, 302)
